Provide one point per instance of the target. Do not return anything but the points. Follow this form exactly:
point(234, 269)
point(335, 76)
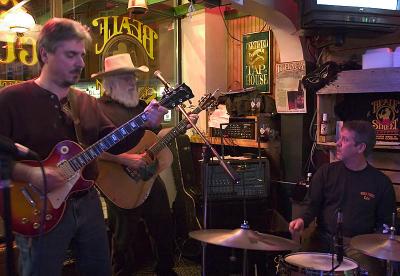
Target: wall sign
point(118, 35)
point(290, 96)
point(256, 61)
point(112, 26)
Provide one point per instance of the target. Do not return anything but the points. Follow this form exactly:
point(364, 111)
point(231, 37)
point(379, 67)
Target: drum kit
point(381, 246)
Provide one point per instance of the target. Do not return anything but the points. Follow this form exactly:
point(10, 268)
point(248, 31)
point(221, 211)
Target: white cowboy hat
point(119, 64)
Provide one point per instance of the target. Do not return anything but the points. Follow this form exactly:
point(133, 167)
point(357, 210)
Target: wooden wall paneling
point(237, 28)
point(389, 164)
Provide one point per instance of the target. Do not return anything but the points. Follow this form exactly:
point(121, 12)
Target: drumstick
point(296, 236)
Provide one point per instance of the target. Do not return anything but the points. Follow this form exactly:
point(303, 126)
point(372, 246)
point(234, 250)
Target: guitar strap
point(72, 111)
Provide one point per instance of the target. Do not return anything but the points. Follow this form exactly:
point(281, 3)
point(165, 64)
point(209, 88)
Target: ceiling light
point(19, 21)
point(137, 7)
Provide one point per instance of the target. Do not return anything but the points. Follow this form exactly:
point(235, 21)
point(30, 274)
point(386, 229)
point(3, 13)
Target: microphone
point(157, 74)
point(7, 146)
point(339, 237)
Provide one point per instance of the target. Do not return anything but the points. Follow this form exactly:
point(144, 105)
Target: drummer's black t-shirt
point(366, 198)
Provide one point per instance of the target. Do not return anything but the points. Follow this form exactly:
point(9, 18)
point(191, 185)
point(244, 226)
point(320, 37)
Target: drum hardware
point(338, 242)
point(381, 246)
point(242, 237)
point(312, 263)
point(246, 239)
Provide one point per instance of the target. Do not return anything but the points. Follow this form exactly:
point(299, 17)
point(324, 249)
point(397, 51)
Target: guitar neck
point(171, 135)
point(85, 157)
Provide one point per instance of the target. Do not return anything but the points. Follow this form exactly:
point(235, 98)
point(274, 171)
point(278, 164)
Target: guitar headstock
point(176, 96)
point(210, 100)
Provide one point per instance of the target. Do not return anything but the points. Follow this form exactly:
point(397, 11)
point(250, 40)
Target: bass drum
point(310, 263)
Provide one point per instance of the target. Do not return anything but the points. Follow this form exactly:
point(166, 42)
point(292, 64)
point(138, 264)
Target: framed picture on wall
point(257, 61)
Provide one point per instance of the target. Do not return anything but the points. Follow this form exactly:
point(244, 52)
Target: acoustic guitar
point(128, 188)
point(27, 201)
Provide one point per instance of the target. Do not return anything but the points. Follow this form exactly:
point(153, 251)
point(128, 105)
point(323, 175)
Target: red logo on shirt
point(367, 195)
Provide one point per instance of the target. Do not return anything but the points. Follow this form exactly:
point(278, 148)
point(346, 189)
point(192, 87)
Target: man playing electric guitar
point(119, 103)
point(32, 113)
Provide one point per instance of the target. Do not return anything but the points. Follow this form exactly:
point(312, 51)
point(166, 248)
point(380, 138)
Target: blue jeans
point(82, 229)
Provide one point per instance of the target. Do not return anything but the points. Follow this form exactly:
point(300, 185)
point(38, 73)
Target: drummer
point(363, 193)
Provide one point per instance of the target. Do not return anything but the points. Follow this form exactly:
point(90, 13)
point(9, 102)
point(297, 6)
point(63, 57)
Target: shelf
point(378, 146)
point(377, 80)
point(370, 84)
point(235, 142)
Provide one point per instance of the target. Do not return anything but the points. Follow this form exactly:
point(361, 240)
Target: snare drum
point(310, 263)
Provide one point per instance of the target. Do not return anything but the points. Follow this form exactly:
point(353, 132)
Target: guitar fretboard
point(85, 157)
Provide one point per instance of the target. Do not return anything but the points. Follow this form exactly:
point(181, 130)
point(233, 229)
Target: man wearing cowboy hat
point(120, 103)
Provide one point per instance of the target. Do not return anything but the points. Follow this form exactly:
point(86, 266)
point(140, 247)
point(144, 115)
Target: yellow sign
point(27, 56)
point(4, 83)
point(112, 26)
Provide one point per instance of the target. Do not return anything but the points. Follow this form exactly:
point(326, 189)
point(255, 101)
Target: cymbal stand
point(206, 158)
point(392, 229)
point(228, 169)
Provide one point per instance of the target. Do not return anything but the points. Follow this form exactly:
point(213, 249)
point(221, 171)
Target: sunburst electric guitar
point(27, 201)
point(128, 188)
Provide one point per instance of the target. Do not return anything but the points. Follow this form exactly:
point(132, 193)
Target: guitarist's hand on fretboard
point(155, 114)
point(193, 118)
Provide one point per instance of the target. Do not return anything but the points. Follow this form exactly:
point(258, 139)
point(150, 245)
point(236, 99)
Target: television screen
point(376, 4)
point(351, 15)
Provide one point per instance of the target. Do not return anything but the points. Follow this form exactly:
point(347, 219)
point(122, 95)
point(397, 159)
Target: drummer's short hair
point(364, 133)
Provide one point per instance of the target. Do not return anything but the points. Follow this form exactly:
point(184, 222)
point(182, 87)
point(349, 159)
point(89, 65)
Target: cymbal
point(378, 246)
point(245, 239)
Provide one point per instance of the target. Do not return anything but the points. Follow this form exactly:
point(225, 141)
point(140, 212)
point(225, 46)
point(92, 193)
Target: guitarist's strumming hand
point(54, 176)
point(155, 114)
point(131, 160)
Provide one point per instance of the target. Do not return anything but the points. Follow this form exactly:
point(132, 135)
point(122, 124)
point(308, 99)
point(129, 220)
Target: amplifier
point(254, 179)
point(238, 128)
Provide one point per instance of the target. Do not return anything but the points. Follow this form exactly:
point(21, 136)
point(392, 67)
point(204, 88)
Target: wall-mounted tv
point(363, 15)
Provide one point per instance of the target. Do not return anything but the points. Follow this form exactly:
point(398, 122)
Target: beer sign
point(256, 61)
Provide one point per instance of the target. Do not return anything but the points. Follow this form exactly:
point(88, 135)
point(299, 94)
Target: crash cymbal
point(245, 239)
point(378, 245)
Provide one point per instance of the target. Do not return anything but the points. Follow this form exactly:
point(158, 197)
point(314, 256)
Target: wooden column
point(56, 8)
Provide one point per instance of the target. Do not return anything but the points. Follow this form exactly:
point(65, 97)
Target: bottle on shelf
point(324, 127)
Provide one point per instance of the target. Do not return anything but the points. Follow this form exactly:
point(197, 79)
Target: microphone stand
point(232, 174)
point(5, 176)
point(337, 243)
point(206, 158)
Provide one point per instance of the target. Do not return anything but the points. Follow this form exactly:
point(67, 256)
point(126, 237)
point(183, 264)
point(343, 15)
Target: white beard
point(125, 98)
